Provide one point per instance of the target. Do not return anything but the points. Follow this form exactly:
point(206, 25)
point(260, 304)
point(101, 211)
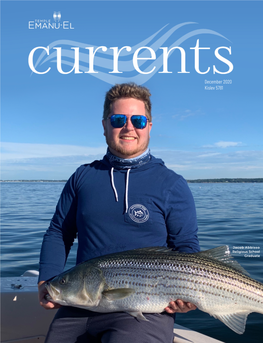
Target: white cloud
point(183, 114)
point(210, 154)
point(44, 161)
point(223, 144)
point(19, 151)
point(193, 165)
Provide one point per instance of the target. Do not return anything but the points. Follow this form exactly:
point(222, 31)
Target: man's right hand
point(42, 292)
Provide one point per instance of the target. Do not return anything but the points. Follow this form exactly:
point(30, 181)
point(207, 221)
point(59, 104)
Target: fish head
point(80, 287)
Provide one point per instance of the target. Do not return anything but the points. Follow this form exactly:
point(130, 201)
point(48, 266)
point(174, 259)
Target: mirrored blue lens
point(139, 122)
point(119, 120)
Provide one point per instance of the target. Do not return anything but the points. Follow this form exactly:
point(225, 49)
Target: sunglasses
point(119, 120)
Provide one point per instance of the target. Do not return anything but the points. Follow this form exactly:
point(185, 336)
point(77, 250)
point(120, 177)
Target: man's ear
point(104, 126)
point(150, 127)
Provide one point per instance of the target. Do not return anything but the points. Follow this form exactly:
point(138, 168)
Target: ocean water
point(228, 214)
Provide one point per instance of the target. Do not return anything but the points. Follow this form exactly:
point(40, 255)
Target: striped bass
point(146, 280)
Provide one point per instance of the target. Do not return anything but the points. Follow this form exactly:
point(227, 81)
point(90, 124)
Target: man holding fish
point(128, 200)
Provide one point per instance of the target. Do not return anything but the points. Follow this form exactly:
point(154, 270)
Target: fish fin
point(222, 254)
point(218, 253)
point(117, 293)
point(138, 315)
point(235, 321)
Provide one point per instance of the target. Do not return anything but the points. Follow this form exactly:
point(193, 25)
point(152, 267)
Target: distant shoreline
point(222, 180)
point(227, 180)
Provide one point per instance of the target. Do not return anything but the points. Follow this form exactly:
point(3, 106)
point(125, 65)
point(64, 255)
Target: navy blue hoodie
point(112, 210)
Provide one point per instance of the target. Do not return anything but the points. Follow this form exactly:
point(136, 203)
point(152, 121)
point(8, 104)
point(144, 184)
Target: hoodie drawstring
point(113, 186)
point(126, 189)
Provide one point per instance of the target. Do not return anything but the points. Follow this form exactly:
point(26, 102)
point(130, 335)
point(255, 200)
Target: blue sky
point(51, 123)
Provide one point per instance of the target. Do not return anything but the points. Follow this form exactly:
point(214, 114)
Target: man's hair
point(127, 90)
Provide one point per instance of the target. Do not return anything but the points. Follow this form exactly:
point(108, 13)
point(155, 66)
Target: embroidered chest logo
point(138, 213)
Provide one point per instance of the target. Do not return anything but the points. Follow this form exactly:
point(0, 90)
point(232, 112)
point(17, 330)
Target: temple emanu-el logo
point(50, 24)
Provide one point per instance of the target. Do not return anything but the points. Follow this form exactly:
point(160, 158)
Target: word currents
point(137, 59)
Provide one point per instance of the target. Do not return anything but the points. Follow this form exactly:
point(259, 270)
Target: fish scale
point(146, 280)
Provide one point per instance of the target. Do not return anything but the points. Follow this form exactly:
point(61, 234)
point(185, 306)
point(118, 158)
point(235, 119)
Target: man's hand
point(179, 306)
point(42, 291)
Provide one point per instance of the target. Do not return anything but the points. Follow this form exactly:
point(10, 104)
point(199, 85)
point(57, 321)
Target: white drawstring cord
point(126, 191)
point(113, 186)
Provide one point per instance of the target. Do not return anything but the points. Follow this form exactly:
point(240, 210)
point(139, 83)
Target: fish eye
point(62, 281)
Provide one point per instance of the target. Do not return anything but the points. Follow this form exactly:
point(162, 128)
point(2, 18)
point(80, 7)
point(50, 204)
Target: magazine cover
point(202, 63)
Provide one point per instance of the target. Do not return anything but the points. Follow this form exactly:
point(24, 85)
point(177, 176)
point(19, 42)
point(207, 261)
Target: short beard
point(137, 151)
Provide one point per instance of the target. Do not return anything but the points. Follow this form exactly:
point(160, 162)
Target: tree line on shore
point(227, 180)
point(222, 180)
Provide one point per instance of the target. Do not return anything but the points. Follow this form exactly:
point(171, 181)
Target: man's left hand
point(179, 306)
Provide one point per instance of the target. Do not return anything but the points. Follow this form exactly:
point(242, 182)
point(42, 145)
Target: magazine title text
point(139, 57)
